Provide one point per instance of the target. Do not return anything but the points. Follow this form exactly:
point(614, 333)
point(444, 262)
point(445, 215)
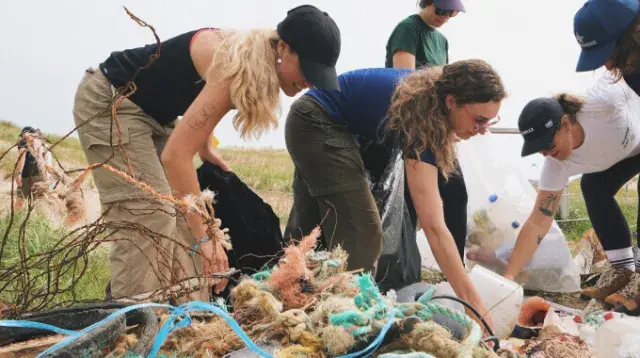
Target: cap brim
point(319, 75)
point(592, 59)
point(537, 145)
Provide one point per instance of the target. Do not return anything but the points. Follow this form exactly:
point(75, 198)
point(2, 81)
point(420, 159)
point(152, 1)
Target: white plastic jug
point(616, 338)
point(502, 297)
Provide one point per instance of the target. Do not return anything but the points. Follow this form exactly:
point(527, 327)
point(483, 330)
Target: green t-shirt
point(414, 36)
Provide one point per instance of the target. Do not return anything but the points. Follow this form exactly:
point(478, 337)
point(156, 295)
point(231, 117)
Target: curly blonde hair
point(246, 62)
point(418, 111)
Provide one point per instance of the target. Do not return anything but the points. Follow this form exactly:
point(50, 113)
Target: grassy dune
point(269, 173)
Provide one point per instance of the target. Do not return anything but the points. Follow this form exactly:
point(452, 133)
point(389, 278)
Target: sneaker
point(610, 282)
point(626, 295)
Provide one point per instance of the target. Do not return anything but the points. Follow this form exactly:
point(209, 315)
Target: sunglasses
point(450, 13)
point(481, 122)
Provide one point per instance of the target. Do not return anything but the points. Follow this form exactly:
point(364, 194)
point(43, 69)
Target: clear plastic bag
point(500, 200)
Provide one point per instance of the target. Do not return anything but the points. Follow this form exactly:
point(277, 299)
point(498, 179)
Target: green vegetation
point(41, 237)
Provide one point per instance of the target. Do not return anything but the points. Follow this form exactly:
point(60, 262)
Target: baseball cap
point(538, 123)
point(449, 5)
point(315, 37)
point(597, 26)
point(27, 129)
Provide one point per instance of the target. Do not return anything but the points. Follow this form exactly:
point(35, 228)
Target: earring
point(279, 60)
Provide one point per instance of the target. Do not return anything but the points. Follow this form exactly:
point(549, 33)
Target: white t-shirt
point(610, 118)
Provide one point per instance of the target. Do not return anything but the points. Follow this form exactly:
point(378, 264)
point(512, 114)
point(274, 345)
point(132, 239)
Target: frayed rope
point(178, 318)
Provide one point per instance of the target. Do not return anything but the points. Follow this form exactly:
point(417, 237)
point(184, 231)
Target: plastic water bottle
point(501, 212)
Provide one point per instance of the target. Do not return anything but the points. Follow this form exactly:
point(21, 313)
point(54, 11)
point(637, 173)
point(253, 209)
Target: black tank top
point(165, 89)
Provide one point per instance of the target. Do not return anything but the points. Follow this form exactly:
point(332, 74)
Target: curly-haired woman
point(426, 110)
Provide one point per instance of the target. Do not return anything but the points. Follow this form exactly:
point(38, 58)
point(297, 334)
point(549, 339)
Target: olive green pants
point(330, 187)
point(149, 239)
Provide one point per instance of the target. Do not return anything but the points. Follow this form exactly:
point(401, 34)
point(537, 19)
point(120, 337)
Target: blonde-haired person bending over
point(201, 75)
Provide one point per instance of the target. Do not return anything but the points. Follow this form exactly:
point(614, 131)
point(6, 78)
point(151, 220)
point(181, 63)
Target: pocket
point(103, 135)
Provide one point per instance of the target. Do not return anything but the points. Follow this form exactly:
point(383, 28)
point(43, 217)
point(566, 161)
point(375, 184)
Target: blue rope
point(406, 355)
point(170, 325)
point(109, 318)
point(36, 325)
point(377, 342)
point(368, 300)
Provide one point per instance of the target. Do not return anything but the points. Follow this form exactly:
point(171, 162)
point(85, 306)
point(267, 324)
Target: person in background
point(27, 171)
point(618, 49)
point(200, 75)
point(423, 109)
point(609, 34)
point(415, 43)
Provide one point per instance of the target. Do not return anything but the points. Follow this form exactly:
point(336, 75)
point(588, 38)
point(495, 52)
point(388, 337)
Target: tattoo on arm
point(549, 205)
point(197, 122)
point(540, 239)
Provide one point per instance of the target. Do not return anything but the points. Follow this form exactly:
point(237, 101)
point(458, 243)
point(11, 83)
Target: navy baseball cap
point(449, 5)
point(538, 123)
point(316, 38)
point(597, 26)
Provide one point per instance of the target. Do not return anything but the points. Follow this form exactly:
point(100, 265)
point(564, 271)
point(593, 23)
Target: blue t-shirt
point(363, 101)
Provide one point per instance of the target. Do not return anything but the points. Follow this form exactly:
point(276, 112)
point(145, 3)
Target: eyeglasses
point(551, 144)
point(451, 13)
point(482, 123)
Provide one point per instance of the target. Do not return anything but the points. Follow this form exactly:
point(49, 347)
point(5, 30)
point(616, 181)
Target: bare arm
point(21, 158)
point(403, 59)
point(533, 231)
point(189, 137)
point(422, 179)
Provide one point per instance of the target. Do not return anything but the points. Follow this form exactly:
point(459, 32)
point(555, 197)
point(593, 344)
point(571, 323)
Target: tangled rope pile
point(307, 305)
point(552, 342)
point(305, 311)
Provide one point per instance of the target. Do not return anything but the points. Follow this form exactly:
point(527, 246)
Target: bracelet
point(194, 248)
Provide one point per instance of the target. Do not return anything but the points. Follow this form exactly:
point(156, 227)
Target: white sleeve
point(605, 98)
point(554, 176)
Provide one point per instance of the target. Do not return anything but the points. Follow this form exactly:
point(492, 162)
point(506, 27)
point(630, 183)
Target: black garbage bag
point(399, 262)
point(253, 226)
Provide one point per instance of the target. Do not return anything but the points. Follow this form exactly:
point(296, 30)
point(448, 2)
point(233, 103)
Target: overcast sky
point(46, 45)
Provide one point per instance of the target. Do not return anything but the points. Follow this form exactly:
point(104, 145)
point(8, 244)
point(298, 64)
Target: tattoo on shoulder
point(540, 238)
point(549, 204)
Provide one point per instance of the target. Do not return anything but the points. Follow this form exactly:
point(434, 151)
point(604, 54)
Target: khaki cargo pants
point(330, 185)
point(138, 262)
